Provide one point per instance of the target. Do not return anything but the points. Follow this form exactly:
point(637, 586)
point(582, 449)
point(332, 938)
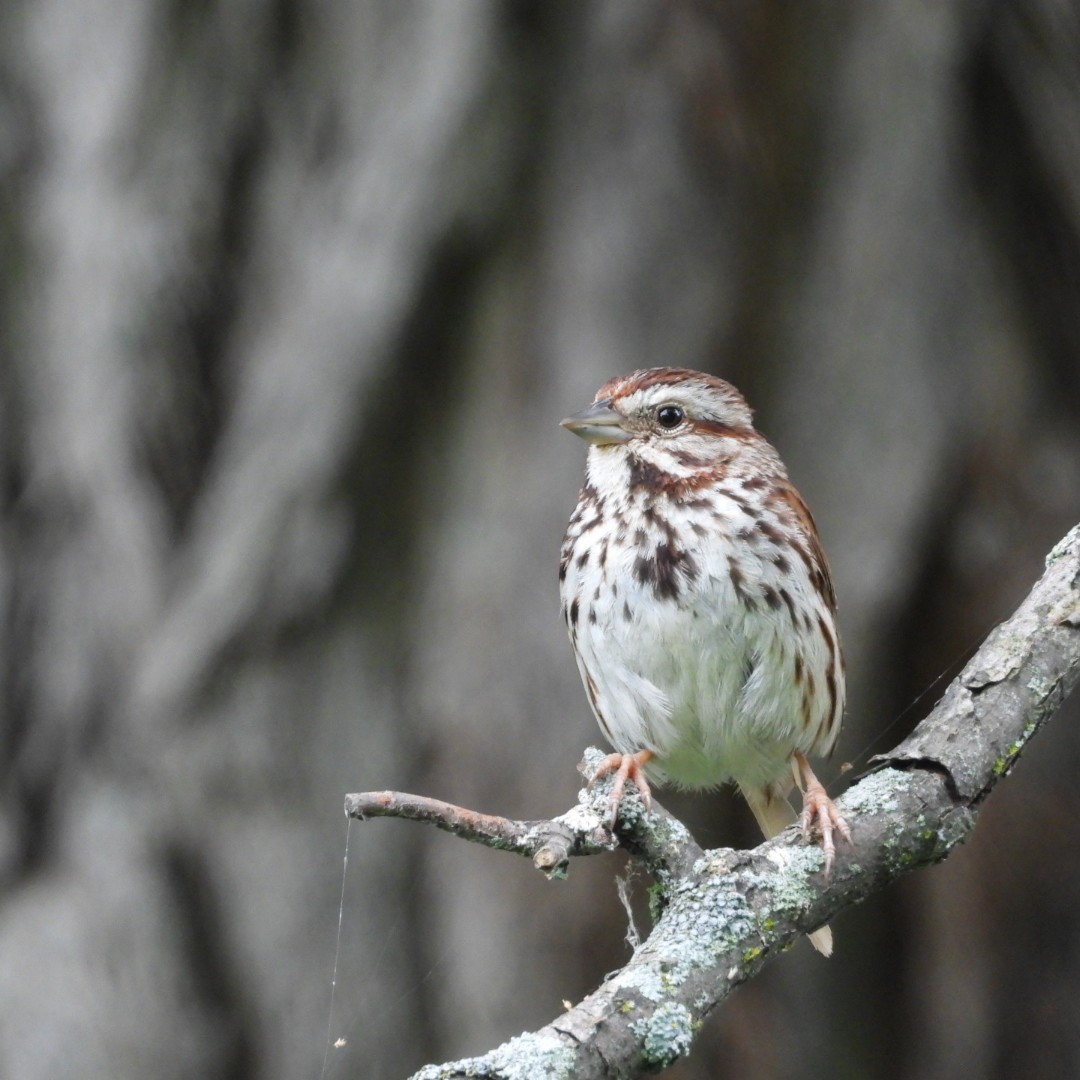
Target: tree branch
point(726, 913)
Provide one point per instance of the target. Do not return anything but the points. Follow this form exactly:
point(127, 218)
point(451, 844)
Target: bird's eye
point(669, 416)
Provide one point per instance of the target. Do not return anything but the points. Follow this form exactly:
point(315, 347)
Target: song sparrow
point(699, 603)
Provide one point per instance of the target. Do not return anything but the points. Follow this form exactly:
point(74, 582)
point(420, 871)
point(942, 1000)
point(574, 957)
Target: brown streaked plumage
point(699, 601)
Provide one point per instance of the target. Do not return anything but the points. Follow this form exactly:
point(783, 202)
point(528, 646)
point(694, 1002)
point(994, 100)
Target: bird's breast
point(691, 627)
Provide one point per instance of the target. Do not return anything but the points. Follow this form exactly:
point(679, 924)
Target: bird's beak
point(599, 424)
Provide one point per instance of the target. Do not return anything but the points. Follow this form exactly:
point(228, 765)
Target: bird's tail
point(774, 814)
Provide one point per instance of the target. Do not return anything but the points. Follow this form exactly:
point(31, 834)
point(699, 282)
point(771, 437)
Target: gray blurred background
point(293, 294)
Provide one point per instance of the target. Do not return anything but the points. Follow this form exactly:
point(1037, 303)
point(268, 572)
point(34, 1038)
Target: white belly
point(704, 681)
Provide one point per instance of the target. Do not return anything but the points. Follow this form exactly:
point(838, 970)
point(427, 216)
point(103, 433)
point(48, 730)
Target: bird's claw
point(820, 814)
point(625, 767)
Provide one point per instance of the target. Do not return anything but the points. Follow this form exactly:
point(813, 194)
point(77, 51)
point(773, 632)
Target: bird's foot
point(625, 767)
point(819, 814)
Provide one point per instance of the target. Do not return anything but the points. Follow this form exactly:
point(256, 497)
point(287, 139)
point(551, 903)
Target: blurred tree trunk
point(293, 296)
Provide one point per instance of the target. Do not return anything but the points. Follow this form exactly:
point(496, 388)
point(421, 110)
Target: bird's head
point(663, 405)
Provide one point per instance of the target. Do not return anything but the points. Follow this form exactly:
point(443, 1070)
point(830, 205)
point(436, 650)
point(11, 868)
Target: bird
point(700, 605)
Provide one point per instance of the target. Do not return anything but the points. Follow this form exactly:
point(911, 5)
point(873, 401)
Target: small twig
point(550, 844)
point(496, 832)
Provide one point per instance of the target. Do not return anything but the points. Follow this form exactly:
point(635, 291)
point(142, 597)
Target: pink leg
point(820, 813)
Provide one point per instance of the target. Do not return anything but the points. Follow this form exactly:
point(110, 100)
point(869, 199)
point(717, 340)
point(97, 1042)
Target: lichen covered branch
point(726, 913)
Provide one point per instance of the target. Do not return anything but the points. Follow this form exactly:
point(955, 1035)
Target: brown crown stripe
point(623, 385)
